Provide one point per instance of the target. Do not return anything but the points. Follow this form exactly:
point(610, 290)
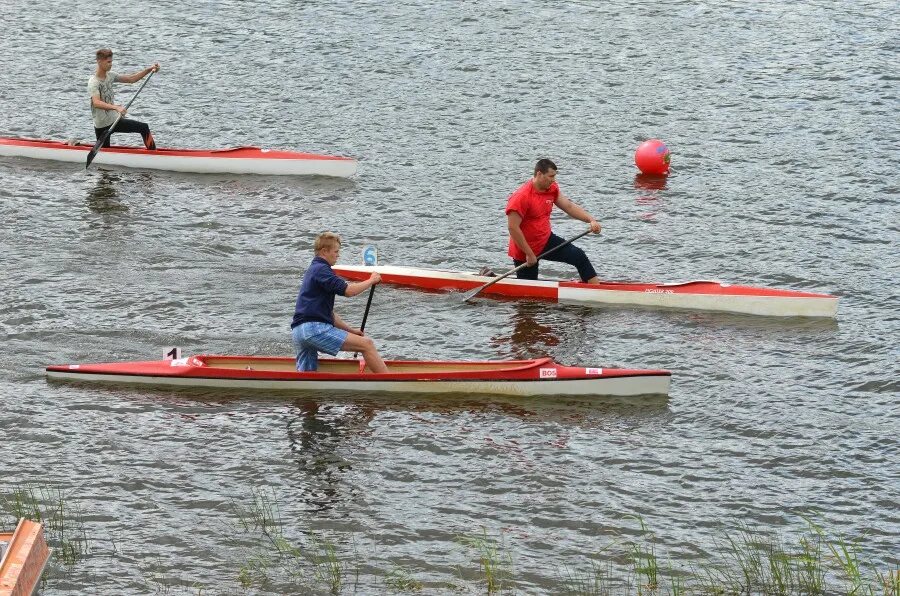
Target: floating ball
point(652, 157)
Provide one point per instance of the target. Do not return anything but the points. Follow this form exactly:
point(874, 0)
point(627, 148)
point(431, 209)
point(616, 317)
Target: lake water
point(782, 122)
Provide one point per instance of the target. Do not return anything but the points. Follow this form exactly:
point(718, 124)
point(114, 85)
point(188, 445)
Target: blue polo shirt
point(315, 300)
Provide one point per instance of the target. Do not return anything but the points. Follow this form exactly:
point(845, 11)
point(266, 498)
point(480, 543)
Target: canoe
point(23, 556)
point(540, 376)
point(237, 160)
point(696, 295)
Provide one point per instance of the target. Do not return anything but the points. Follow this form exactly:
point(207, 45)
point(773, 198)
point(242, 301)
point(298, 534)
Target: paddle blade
point(467, 297)
point(99, 144)
point(90, 157)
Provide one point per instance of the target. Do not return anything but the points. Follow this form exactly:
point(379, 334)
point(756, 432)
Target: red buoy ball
point(652, 157)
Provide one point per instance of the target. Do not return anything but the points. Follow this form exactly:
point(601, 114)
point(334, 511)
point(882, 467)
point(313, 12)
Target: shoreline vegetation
point(745, 560)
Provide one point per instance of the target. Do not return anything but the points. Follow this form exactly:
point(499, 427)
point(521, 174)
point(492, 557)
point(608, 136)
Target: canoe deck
point(694, 295)
point(517, 377)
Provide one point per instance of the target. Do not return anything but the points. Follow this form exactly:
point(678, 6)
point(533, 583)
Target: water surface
point(782, 121)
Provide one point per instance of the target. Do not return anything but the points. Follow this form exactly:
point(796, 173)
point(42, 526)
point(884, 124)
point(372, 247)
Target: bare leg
point(357, 343)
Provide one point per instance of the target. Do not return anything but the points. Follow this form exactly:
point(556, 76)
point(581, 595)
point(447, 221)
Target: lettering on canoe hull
point(548, 373)
point(658, 291)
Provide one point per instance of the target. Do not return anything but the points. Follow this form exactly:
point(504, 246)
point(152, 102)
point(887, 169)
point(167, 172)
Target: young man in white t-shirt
point(103, 99)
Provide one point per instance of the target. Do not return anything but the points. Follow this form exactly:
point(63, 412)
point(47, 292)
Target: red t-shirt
point(534, 207)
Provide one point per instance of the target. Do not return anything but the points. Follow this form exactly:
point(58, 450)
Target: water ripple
point(447, 107)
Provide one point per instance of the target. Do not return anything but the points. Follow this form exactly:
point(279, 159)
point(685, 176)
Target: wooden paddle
point(478, 290)
point(99, 144)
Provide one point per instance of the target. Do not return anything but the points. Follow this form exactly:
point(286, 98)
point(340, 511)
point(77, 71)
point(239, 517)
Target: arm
point(514, 223)
point(137, 76)
point(576, 211)
point(361, 286)
point(96, 102)
point(341, 324)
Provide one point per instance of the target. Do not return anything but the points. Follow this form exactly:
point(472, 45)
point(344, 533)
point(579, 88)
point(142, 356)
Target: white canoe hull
point(198, 162)
point(693, 295)
point(615, 386)
point(771, 306)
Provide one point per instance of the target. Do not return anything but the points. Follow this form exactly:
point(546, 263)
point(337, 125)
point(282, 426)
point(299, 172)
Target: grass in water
point(751, 561)
point(311, 562)
point(643, 560)
point(747, 560)
point(494, 559)
point(593, 582)
point(400, 579)
point(63, 523)
point(260, 513)
point(163, 582)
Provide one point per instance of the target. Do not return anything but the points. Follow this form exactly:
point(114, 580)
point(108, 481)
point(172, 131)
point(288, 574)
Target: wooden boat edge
point(25, 558)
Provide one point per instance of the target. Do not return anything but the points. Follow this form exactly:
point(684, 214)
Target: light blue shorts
point(312, 338)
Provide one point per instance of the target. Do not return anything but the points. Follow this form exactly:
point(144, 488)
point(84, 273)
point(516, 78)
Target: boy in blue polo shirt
point(316, 327)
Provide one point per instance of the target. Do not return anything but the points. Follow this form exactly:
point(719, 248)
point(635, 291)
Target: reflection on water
point(528, 338)
point(103, 195)
point(651, 200)
point(715, 322)
point(650, 182)
point(317, 434)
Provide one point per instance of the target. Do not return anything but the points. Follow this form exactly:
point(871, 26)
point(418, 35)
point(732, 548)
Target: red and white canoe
point(513, 377)
point(238, 160)
point(697, 295)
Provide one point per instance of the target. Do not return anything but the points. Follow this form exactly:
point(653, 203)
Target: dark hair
point(104, 53)
point(544, 165)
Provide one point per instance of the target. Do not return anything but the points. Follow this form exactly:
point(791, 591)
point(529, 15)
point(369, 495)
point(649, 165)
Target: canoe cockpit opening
point(347, 366)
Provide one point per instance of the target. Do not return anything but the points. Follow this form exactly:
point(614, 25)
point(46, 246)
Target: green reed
point(400, 579)
point(643, 560)
point(160, 578)
point(746, 560)
point(890, 582)
point(261, 512)
point(596, 581)
point(63, 522)
point(312, 561)
point(255, 572)
point(327, 567)
point(752, 561)
point(494, 559)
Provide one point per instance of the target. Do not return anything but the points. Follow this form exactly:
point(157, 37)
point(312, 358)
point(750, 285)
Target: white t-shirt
point(103, 87)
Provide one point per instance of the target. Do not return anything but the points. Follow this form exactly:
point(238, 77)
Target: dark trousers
point(126, 125)
point(569, 253)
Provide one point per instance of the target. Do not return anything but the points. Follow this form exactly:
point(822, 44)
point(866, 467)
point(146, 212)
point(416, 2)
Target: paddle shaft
point(362, 327)
point(477, 291)
point(99, 144)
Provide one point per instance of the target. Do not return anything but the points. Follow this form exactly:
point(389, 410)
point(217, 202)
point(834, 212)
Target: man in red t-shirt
point(528, 218)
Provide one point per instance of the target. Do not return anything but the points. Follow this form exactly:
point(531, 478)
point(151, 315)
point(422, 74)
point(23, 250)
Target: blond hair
point(326, 240)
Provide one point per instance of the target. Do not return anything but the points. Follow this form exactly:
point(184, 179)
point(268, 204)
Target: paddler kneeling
point(528, 220)
point(104, 108)
point(316, 327)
